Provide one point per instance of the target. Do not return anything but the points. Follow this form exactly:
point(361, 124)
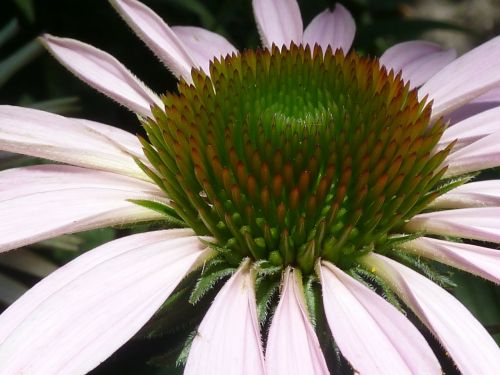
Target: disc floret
point(293, 155)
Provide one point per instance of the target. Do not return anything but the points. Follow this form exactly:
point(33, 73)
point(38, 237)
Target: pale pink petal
point(103, 72)
point(228, 338)
point(162, 40)
point(28, 262)
point(331, 28)
point(489, 100)
point(490, 96)
point(79, 315)
point(479, 155)
point(292, 344)
point(468, 110)
point(466, 341)
point(417, 60)
point(481, 261)
point(373, 336)
point(73, 141)
point(122, 140)
point(473, 194)
point(278, 21)
point(41, 202)
point(476, 223)
point(464, 79)
point(471, 129)
point(203, 45)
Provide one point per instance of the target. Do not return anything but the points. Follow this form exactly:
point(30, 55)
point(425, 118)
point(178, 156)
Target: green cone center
point(293, 155)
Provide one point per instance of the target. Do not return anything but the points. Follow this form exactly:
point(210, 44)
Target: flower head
point(317, 180)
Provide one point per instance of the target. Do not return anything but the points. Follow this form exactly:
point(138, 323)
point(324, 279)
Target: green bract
point(293, 155)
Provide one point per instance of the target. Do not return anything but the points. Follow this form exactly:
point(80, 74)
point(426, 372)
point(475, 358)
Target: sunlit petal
point(79, 315)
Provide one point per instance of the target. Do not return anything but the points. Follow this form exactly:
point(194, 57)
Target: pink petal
point(72, 141)
point(28, 262)
point(473, 194)
point(471, 129)
point(417, 60)
point(103, 72)
point(42, 202)
point(292, 345)
point(278, 21)
point(479, 155)
point(124, 141)
point(463, 337)
point(466, 78)
point(478, 260)
point(228, 338)
point(475, 223)
point(373, 336)
point(162, 40)
point(486, 101)
point(79, 315)
point(331, 28)
point(203, 45)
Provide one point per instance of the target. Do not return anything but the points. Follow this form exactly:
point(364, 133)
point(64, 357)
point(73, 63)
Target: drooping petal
point(373, 336)
point(28, 262)
point(466, 341)
point(228, 338)
point(279, 22)
point(41, 202)
point(479, 155)
point(473, 194)
point(417, 60)
point(464, 79)
point(471, 129)
point(79, 315)
point(157, 35)
point(331, 28)
point(203, 45)
point(103, 72)
point(478, 260)
point(49, 136)
point(292, 345)
point(475, 223)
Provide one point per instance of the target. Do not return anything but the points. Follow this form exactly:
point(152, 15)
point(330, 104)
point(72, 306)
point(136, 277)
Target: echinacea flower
point(318, 179)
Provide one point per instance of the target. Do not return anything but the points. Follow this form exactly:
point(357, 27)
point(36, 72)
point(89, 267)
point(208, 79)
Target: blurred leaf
point(28, 9)
point(402, 29)
point(68, 242)
point(19, 59)
point(482, 298)
point(8, 31)
point(62, 106)
point(28, 262)
point(10, 290)
point(382, 5)
point(207, 20)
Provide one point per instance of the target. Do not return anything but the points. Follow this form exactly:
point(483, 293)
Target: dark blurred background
point(30, 77)
point(34, 76)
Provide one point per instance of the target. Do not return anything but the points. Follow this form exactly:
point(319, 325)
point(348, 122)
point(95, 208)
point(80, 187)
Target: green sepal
point(425, 267)
point(312, 296)
point(377, 284)
point(213, 271)
point(183, 355)
point(265, 290)
point(168, 212)
point(448, 184)
point(266, 268)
